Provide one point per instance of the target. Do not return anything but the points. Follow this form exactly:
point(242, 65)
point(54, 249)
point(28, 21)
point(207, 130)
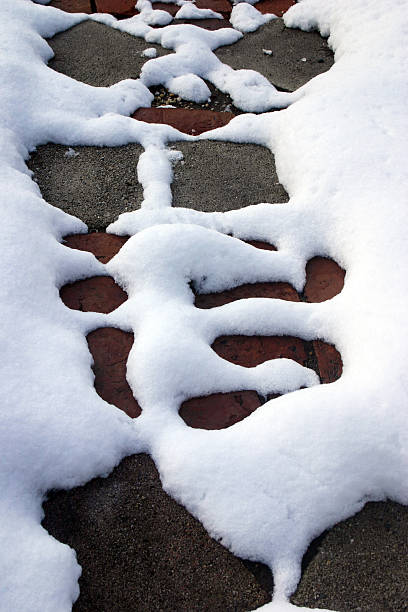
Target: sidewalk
point(138, 548)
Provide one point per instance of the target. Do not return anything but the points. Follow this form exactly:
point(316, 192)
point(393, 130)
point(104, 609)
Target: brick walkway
point(163, 559)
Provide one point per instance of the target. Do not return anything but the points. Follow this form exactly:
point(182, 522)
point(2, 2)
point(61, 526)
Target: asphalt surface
point(139, 549)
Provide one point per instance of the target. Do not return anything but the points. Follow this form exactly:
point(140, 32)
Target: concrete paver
point(284, 68)
point(140, 550)
point(360, 565)
point(96, 186)
point(234, 175)
point(98, 55)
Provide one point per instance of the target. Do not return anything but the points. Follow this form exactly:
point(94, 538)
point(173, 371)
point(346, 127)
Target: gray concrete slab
point(361, 565)
point(96, 186)
point(284, 68)
point(219, 176)
point(140, 550)
point(98, 55)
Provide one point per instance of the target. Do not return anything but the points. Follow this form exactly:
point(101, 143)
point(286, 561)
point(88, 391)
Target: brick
point(250, 351)
point(207, 24)
point(103, 246)
point(162, 6)
point(329, 361)
point(280, 291)
point(110, 348)
point(324, 279)
point(183, 119)
point(122, 8)
point(219, 6)
point(262, 245)
point(73, 6)
point(277, 7)
point(96, 294)
point(219, 410)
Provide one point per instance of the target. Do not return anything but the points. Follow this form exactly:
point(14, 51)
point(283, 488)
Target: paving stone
point(104, 246)
point(122, 8)
point(110, 349)
point(140, 550)
point(98, 55)
point(324, 279)
point(279, 291)
point(219, 410)
point(96, 186)
point(207, 24)
point(360, 565)
point(234, 176)
point(96, 294)
point(250, 351)
point(163, 6)
point(284, 68)
point(183, 119)
point(276, 7)
point(259, 244)
point(329, 361)
point(73, 6)
point(219, 6)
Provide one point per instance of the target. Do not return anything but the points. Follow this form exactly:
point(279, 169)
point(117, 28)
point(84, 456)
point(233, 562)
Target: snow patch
point(246, 18)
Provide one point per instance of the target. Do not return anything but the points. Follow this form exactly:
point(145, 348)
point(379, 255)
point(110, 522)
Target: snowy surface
point(190, 11)
point(246, 18)
point(300, 463)
point(150, 52)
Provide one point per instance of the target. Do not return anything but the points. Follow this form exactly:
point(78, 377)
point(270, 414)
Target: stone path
point(139, 549)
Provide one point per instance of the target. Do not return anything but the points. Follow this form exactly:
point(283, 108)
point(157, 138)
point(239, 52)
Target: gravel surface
point(219, 176)
point(284, 68)
point(97, 185)
point(140, 550)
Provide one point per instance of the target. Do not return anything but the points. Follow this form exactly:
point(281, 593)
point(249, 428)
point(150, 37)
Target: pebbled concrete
point(98, 55)
point(96, 186)
point(140, 550)
point(219, 176)
point(360, 565)
point(284, 68)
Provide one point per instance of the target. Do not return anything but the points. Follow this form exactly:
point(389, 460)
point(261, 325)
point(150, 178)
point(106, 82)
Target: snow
point(246, 18)
point(150, 52)
point(300, 463)
point(190, 11)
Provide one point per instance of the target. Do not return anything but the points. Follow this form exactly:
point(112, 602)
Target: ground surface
point(138, 548)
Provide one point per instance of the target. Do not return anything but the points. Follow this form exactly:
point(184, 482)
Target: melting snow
point(298, 464)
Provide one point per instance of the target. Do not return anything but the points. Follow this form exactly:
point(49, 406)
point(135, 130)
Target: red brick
point(324, 279)
point(73, 6)
point(103, 246)
point(250, 351)
point(96, 294)
point(183, 119)
point(219, 410)
point(162, 6)
point(329, 361)
point(277, 7)
point(123, 8)
point(280, 291)
point(207, 24)
point(110, 348)
point(262, 245)
point(219, 6)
